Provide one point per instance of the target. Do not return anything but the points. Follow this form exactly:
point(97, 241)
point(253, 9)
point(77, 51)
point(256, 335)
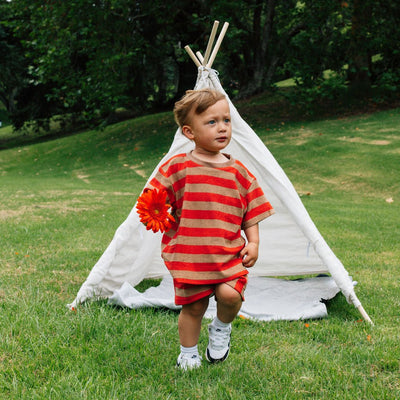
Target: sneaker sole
point(187, 368)
point(217, 360)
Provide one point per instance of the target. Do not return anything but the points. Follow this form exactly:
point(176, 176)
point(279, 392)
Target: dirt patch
point(395, 151)
point(83, 177)
point(6, 214)
point(138, 169)
point(20, 212)
point(303, 137)
point(388, 130)
point(60, 207)
point(99, 193)
point(297, 137)
point(364, 141)
point(18, 267)
point(351, 183)
point(380, 142)
point(122, 194)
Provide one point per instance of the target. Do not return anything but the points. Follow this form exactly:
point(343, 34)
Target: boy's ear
point(187, 131)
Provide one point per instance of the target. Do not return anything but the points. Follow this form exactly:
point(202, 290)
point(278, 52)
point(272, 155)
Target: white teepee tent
point(290, 242)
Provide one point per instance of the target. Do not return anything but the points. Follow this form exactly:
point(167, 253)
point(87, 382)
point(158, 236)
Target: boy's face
point(211, 130)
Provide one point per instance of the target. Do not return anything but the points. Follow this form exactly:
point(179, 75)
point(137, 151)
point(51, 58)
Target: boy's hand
point(249, 254)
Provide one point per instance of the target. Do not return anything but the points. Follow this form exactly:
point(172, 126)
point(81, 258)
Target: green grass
point(61, 202)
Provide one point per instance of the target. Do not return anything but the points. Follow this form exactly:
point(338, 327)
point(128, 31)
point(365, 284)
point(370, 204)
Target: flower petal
point(153, 209)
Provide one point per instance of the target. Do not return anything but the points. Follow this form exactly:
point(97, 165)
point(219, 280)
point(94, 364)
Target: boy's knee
point(228, 295)
point(196, 309)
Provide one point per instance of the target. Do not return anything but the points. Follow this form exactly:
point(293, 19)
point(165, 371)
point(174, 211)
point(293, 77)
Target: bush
point(330, 89)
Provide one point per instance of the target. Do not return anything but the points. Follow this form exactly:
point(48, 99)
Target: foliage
point(328, 89)
point(316, 48)
point(94, 57)
point(94, 62)
point(62, 201)
point(13, 64)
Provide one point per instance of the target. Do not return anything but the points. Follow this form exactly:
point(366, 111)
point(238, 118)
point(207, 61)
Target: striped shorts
point(186, 293)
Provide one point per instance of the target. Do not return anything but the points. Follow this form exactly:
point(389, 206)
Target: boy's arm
point(249, 253)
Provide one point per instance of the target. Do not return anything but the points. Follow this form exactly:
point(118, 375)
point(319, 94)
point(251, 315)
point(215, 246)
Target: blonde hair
point(196, 100)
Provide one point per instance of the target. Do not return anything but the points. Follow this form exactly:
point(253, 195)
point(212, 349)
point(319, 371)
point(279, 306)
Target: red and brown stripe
point(211, 203)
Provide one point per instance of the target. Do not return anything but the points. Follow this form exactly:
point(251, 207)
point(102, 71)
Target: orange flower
point(153, 209)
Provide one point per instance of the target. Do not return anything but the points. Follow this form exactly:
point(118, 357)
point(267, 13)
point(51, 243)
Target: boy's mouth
point(221, 139)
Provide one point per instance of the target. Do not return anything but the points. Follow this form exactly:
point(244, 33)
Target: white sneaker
point(219, 342)
point(188, 361)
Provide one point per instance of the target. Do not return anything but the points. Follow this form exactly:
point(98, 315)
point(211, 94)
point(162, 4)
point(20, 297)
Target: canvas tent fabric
point(290, 242)
point(267, 299)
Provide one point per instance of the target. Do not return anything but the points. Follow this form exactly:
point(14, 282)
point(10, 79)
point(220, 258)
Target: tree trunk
point(360, 60)
point(262, 36)
point(8, 99)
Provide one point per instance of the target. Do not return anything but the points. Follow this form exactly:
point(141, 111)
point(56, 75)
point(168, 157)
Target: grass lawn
point(61, 202)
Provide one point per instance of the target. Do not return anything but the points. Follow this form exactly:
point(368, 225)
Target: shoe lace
point(221, 339)
point(190, 361)
point(191, 358)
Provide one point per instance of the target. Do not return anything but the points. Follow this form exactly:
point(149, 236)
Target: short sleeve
point(258, 207)
point(162, 180)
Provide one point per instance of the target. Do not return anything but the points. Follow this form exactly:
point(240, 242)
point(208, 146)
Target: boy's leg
point(189, 326)
point(229, 301)
point(189, 322)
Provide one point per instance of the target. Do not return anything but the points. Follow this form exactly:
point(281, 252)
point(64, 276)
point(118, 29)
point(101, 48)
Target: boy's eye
point(227, 120)
point(212, 122)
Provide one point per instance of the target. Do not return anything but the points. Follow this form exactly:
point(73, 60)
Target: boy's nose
point(222, 126)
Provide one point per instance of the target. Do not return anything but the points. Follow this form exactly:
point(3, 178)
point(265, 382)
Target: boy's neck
point(209, 156)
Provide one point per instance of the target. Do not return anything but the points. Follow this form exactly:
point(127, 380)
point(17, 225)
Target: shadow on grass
point(340, 309)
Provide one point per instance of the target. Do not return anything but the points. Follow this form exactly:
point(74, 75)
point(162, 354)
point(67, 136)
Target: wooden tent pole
point(192, 56)
point(217, 45)
point(210, 42)
point(364, 314)
point(200, 57)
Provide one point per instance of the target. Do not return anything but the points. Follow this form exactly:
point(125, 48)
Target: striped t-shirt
point(211, 203)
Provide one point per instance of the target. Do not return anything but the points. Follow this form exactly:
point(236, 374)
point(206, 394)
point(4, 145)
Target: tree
point(260, 33)
point(383, 37)
point(344, 37)
point(359, 49)
point(13, 64)
point(86, 59)
point(89, 58)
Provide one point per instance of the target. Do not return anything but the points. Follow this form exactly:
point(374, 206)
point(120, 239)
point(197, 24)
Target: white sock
point(219, 324)
point(190, 350)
